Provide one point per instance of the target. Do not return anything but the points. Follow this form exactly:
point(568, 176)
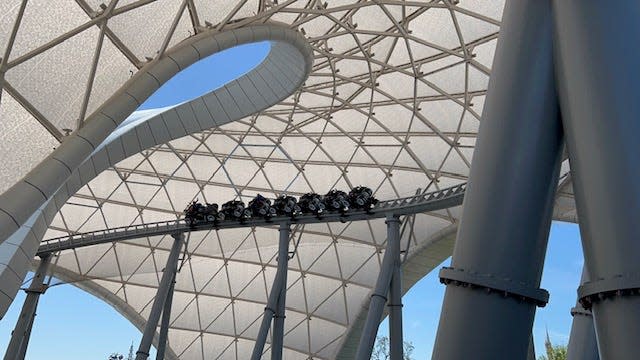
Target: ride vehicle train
point(359, 198)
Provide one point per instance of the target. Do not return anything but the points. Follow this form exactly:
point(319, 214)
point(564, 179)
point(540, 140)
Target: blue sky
point(208, 74)
point(74, 325)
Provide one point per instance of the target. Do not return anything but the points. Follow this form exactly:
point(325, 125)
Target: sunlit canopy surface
point(393, 102)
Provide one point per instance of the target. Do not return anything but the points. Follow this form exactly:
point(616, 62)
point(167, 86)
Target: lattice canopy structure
point(386, 94)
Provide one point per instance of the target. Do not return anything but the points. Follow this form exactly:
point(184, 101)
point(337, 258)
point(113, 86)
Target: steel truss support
point(275, 307)
point(597, 65)
point(583, 344)
point(21, 333)
point(166, 284)
point(379, 296)
point(493, 282)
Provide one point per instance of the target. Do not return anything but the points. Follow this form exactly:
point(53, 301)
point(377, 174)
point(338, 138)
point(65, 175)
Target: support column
point(22, 353)
point(277, 340)
point(168, 275)
point(598, 75)
point(396, 340)
point(164, 324)
point(583, 344)
point(379, 296)
point(20, 336)
point(493, 282)
point(279, 282)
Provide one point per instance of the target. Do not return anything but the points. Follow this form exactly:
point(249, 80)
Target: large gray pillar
point(492, 284)
point(381, 291)
point(168, 275)
point(597, 61)
point(277, 339)
point(531, 355)
point(17, 347)
point(583, 344)
point(396, 340)
point(279, 281)
point(165, 322)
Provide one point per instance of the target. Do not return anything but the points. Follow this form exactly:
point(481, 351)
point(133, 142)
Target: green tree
point(381, 349)
point(557, 352)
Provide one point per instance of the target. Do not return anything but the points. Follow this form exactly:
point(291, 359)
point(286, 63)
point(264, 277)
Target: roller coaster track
point(419, 203)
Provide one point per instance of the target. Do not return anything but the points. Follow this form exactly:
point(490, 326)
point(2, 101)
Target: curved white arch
point(28, 207)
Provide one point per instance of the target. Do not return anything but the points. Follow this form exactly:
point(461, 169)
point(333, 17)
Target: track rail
point(431, 201)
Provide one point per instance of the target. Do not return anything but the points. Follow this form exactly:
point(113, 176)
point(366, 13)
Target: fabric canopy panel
point(393, 102)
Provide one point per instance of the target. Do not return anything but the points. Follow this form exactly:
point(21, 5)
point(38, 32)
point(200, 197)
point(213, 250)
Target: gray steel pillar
point(493, 282)
point(379, 296)
point(396, 340)
point(277, 339)
point(583, 344)
point(17, 347)
point(168, 275)
point(164, 323)
point(597, 61)
point(279, 281)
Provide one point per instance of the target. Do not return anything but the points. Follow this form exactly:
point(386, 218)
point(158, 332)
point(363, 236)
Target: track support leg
point(396, 340)
point(381, 291)
point(277, 339)
point(20, 336)
point(272, 308)
point(165, 286)
point(164, 324)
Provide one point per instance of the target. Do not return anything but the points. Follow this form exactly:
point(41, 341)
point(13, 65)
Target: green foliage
point(557, 352)
point(381, 349)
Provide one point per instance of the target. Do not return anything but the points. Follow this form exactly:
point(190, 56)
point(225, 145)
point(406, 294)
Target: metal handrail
point(435, 200)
